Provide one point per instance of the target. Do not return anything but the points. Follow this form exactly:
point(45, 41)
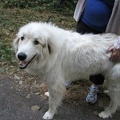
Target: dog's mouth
point(24, 64)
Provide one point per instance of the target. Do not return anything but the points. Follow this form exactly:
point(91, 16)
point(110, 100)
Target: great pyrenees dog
point(59, 56)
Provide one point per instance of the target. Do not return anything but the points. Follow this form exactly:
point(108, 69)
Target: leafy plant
point(5, 52)
point(40, 4)
point(11, 19)
point(28, 3)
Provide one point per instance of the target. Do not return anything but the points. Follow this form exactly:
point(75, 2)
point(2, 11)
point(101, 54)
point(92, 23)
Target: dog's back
point(83, 55)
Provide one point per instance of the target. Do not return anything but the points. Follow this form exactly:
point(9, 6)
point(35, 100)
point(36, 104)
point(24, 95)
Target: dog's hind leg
point(56, 93)
point(109, 110)
point(114, 92)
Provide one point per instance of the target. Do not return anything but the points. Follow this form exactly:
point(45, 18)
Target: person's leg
point(83, 28)
point(97, 80)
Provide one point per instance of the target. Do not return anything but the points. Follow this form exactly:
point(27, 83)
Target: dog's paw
point(104, 115)
point(48, 116)
point(47, 94)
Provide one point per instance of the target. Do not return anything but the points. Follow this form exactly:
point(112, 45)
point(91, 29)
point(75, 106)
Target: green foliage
point(39, 4)
point(5, 52)
point(29, 3)
point(12, 16)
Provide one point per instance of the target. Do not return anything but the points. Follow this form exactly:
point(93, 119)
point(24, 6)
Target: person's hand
point(115, 56)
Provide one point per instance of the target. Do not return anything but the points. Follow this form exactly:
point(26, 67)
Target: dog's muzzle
point(23, 63)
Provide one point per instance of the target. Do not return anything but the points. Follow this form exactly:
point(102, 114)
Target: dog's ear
point(51, 46)
point(15, 44)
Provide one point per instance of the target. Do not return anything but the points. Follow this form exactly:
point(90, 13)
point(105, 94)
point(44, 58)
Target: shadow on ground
point(14, 105)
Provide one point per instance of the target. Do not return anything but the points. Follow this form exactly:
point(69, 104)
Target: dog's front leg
point(56, 93)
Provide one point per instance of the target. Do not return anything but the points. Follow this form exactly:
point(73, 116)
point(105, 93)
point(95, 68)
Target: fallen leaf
point(35, 108)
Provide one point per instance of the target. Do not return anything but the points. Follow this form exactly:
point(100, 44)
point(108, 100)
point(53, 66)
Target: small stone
point(42, 85)
point(28, 96)
point(37, 93)
point(20, 82)
point(35, 108)
point(47, 94)
point(17, 77)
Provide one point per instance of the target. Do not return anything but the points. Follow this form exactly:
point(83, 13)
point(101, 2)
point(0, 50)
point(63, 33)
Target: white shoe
point(92, 95)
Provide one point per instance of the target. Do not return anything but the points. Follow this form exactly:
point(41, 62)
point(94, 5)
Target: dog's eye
point(22, 38)
point(36, 42)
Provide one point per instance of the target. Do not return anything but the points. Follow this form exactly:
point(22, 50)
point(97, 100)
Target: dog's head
point(32, 45)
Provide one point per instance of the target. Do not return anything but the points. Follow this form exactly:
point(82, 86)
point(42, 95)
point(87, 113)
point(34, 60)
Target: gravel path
point(16, 104)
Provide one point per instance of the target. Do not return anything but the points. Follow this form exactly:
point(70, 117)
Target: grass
point(13, 18)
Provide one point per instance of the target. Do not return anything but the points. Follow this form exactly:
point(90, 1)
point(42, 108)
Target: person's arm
point(117, 43)
point(115, 49)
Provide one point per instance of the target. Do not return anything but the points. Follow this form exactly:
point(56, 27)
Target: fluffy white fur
point(63, 56)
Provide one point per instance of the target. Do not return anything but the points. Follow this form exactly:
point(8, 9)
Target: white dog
point(60, 56)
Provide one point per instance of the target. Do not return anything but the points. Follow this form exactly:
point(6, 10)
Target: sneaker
point(92, 95)
point(68, 84)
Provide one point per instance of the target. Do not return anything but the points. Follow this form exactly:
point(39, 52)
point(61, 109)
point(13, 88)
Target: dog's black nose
point(22, 56)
